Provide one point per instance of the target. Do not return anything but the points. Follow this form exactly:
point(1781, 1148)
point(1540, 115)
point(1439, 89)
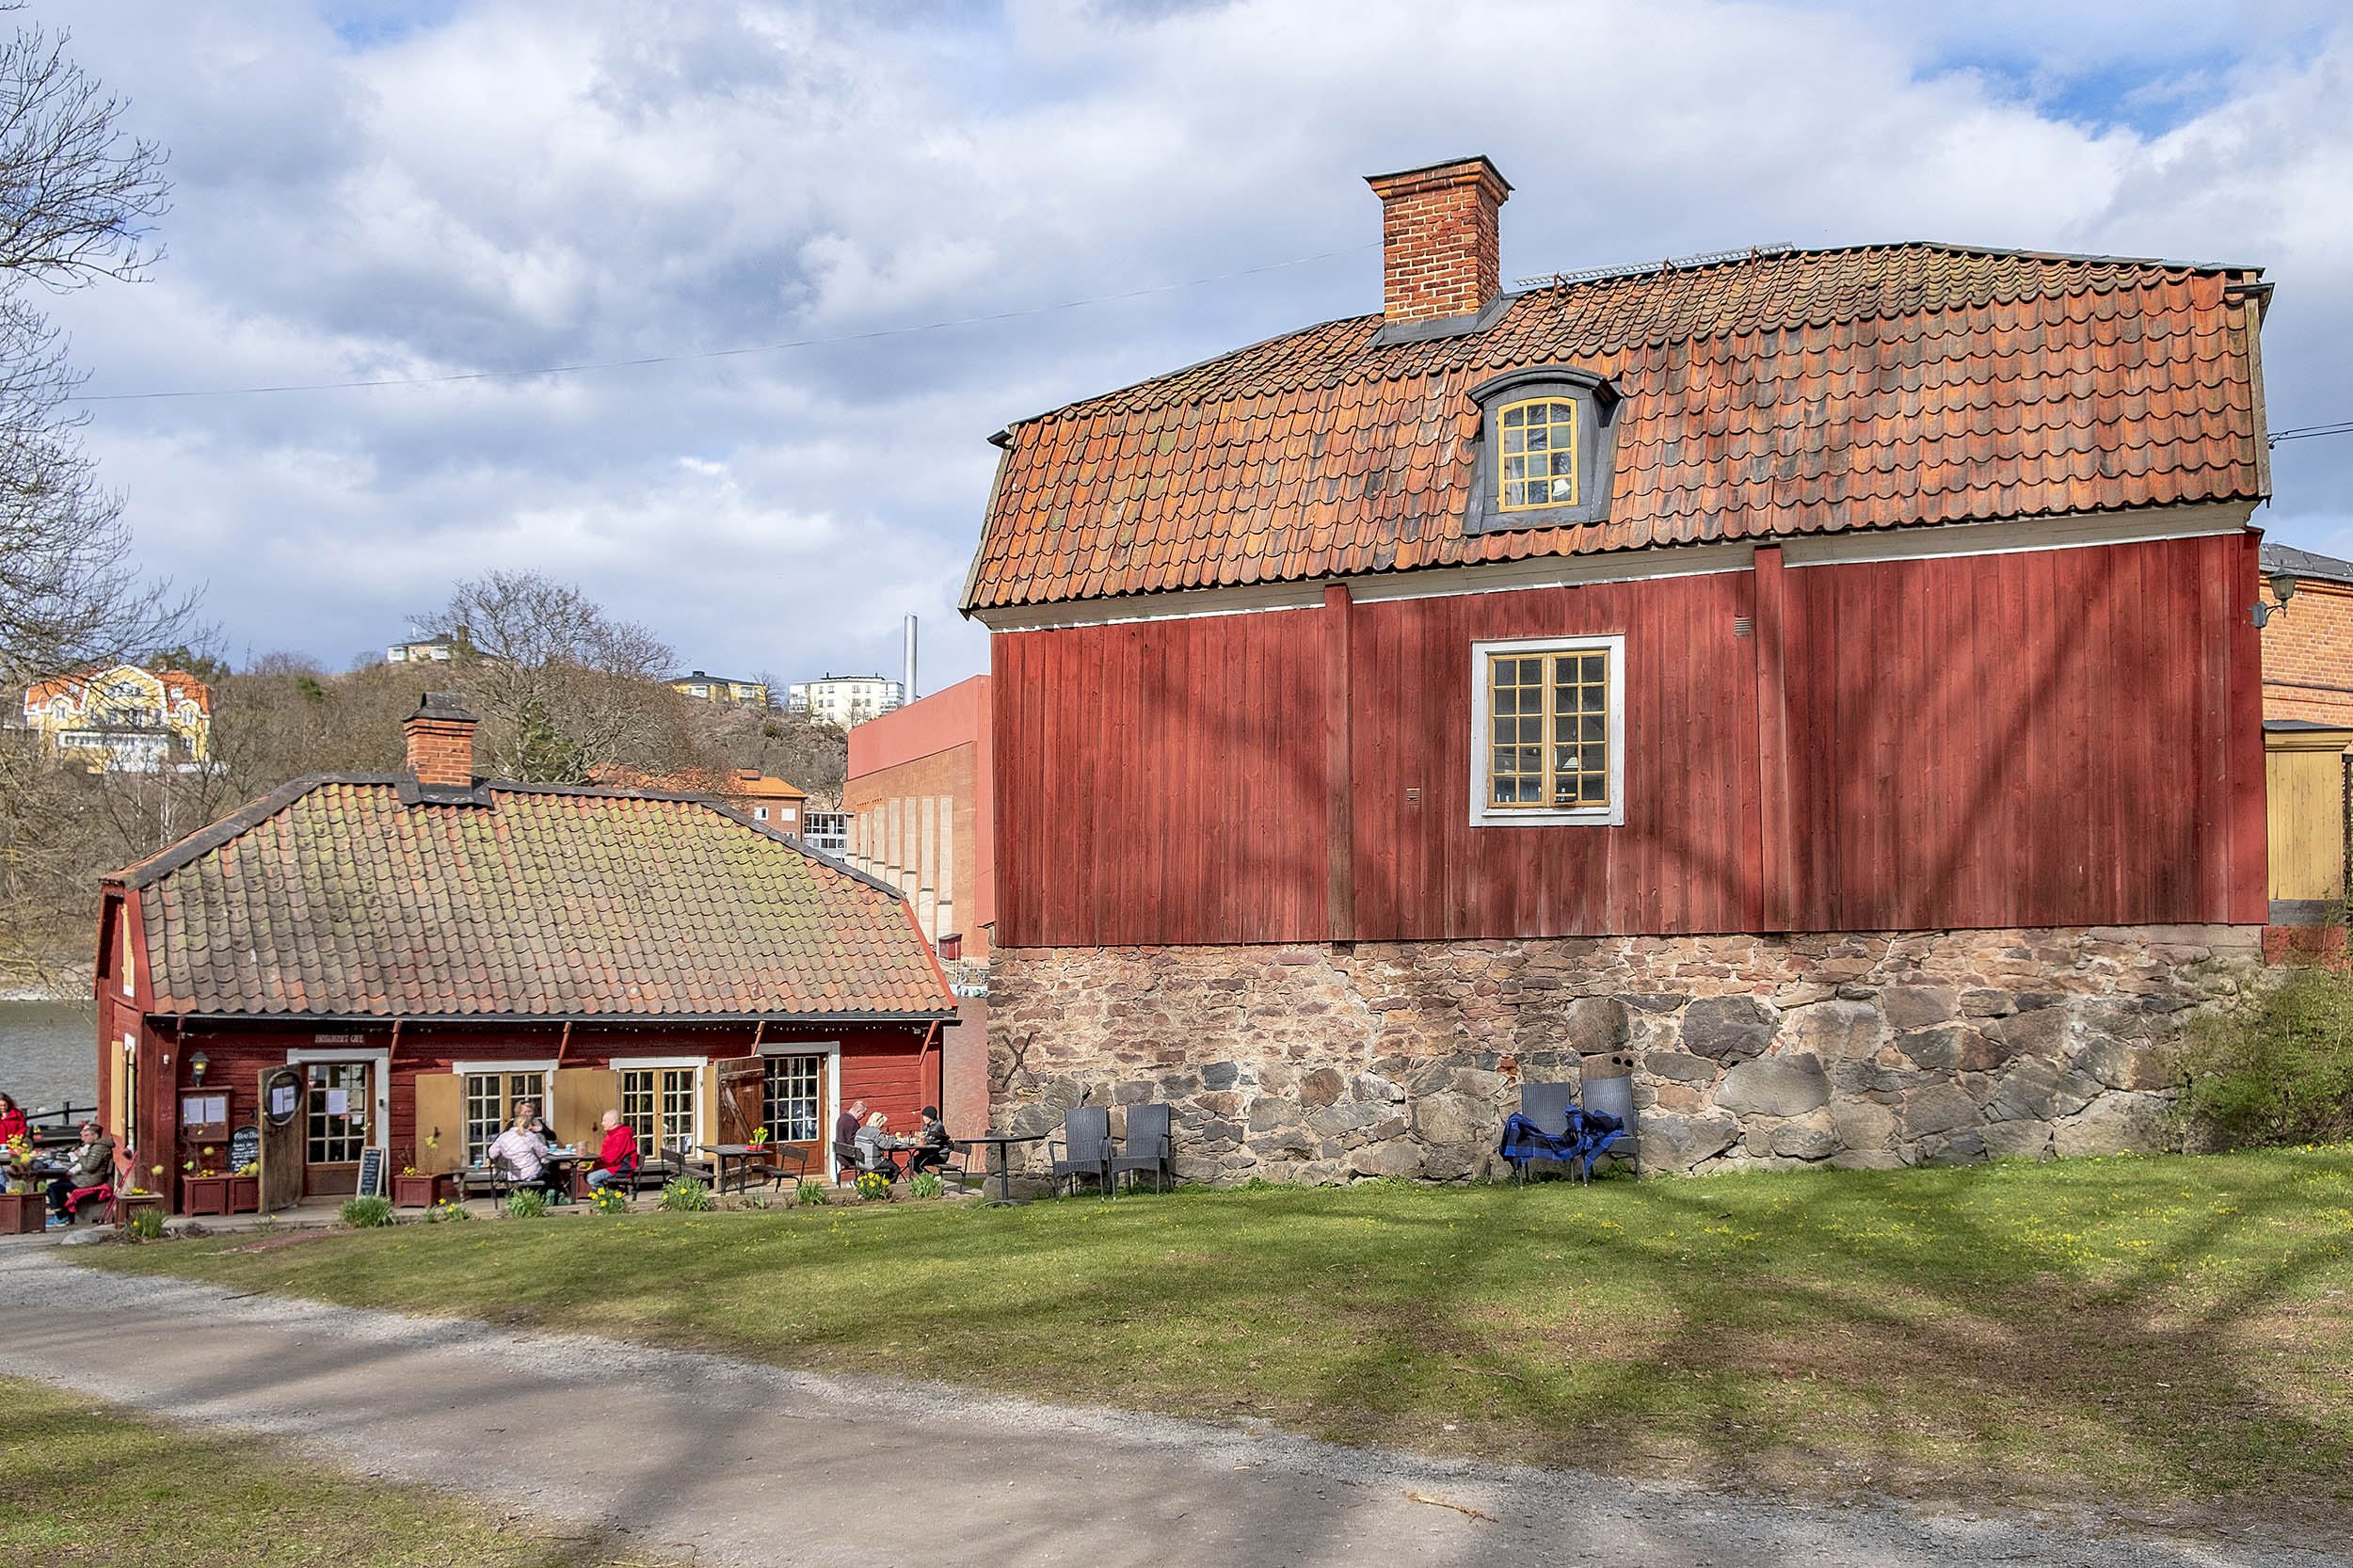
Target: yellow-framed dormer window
point(1539, 453)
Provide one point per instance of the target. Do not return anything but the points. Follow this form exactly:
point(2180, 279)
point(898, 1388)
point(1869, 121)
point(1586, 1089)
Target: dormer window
point(1547, 437)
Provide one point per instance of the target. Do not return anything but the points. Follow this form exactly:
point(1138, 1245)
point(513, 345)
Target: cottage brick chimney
point(440, 742)
point(1439, 255)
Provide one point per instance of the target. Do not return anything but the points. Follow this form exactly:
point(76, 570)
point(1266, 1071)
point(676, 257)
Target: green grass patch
point(2171, 1335)
point(82, 1481)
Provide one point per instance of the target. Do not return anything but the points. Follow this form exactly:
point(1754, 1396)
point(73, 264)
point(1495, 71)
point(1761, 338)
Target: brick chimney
point(440, 742)
point(1439, 257)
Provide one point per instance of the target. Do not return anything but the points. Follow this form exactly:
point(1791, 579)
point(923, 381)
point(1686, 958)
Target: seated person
point(523, 1149)
point(617, 1157)
point(874, 1147)
point(92, 1168)
point(933, 1147)
point(846, 1125)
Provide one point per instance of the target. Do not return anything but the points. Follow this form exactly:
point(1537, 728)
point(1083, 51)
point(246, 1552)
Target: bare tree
point(566, 693)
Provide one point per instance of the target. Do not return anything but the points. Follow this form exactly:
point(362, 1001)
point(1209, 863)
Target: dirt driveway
point(726, 1462)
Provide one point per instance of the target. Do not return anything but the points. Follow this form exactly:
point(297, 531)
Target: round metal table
point(1004, 1198)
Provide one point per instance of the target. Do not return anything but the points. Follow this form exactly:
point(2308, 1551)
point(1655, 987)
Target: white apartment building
point(845, 700)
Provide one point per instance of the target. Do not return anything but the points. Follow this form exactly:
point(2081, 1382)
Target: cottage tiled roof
point(332, 898)
point(1798, 393)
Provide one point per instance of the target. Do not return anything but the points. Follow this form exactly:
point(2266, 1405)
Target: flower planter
point(244, 1194)
point(128, 1204)
point(23, 1213)
point(205, 1194)
point(423, 1191)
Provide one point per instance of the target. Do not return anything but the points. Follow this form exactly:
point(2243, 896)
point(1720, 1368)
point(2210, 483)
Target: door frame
point(831, 1049)
point(379, 1058)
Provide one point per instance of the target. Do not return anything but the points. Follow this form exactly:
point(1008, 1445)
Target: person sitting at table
point(12, 1122)
point(90, 1172)
point(617, 1157)
point(934, 1146)
point(521, 1148)
point(874, 1147)
point(529, 1110)
point(845, 1127)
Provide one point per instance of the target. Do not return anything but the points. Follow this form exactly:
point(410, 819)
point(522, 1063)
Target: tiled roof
point(1803, 393)
point(331, 898)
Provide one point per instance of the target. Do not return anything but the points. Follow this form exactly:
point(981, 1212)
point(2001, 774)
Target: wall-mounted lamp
point(198, 1061)
point(2283, 590)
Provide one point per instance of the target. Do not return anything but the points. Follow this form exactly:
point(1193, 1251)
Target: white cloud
point(517, 185)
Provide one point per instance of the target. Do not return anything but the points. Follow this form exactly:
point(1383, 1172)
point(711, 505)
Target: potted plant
point(202, 1189)
point(245, 1189)
point(133, 1201)
point(415, 1188)
point(24, 1208)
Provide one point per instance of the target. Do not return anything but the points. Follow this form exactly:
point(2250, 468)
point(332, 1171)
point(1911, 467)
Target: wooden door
point(740, 1081)
point(577, 1098)
point(339, 1121)
point(282, 1098)
point(440, 1122)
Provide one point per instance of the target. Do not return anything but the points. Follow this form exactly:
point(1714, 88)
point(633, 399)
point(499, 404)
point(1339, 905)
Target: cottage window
point(491, 1106)
point(658, 1104)
point(792, 1104)
point(1548, 440)
point(1549, 731)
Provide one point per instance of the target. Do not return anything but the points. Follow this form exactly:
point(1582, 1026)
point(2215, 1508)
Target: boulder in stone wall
point(1962, 1146)
point(2041, 1032)
point(1679, 1143)
point(1331, 1121)
point(1867, 1160)
point(1938, 1107)
point(1399, 1156)
point(1788, 1086)
point(1322, 1087)
point(1450, 1120)
point(2126, 1122)
point(1221, 1074)
point(1373, 1087)
point(1833, 1031)
point(2033, 1089)
point(1937, 1049)
point(2016, 1140)
point(1133, 1093)
point(1863, 1125)
point(1193, 1168)
point(1268, 1111)
point(1594, 1026)
point(1396, 1126)
point(1284, 1143)
point(1451, 1162)
point(1676, 1065)
point(1479, 1083)
point(1807, 1140)
point(1728, 1029)
point(1918, 1006)
point(1219, 1134)
point(1983, 1002)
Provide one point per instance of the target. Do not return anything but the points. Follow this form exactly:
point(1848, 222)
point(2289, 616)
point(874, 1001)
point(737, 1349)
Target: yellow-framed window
point(1549, 736)
point(1539, 466)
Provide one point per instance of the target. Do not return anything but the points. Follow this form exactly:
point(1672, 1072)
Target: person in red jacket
point(617, 1157)
point(12, 1123)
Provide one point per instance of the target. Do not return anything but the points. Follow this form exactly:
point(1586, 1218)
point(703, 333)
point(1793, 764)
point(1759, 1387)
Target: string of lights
point(687, 358)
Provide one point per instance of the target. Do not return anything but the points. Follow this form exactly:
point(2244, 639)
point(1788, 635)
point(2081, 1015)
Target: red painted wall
point(2046, 738)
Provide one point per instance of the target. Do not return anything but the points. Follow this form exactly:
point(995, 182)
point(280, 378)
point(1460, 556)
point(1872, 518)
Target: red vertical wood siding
point(2041, 738)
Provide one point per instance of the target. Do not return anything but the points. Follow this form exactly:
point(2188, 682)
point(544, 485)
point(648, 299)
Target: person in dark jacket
point(846, 1125)
point(92, 1165)
point(934, 1146)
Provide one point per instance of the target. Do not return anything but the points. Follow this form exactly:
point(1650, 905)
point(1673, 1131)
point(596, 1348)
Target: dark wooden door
point(282, 1104)
point(741, 1081)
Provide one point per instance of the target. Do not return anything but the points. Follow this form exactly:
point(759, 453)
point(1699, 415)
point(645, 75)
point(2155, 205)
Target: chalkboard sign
point(370, 1172)
point(244, 1147)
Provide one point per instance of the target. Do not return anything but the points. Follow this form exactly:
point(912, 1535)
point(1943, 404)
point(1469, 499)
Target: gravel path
point(730, 1461)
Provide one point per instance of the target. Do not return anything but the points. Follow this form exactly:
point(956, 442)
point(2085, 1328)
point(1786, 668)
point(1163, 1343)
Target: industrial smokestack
point(910, 660)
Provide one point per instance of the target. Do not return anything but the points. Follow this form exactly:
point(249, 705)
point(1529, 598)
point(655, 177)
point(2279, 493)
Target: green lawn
point(82, 1483)
point(2170, 1334)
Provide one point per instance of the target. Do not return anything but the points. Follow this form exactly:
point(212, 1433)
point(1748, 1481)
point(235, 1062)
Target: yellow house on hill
point(126, 719)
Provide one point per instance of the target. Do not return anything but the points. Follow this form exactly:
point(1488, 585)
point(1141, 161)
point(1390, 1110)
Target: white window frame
point(1483, 814)
point(831, 1051)
point(667, 1063)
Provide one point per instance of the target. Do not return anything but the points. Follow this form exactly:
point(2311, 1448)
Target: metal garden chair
point(1085, 1148)
point(1145, 1148)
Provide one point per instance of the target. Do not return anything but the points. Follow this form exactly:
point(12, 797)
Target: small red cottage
point(1824, 678)
point(425, 949)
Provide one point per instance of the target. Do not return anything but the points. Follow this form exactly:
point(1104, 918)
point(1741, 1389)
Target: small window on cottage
point(759, 813)
point(1550, 738)
point(658, 1104)
point(1539, 453)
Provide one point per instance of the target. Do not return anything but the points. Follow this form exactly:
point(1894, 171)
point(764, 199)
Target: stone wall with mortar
point(1325, 1062)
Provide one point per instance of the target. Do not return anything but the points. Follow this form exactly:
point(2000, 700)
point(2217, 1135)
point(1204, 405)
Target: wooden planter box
point(128, 1204)
point(205, 1194)
point(423, 1191)
point(244, 1194)
point(23, 1213)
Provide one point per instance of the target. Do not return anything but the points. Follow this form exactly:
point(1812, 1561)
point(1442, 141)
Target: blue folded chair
point(1584, 1136)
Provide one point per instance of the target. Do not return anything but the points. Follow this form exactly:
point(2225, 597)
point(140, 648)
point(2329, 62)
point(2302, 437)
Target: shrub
point(813, 1194)
point(446, 1210)
point(684, 1195)
point(611, 1198)
point(754, 1200)
point(367, 1213)
point(927, 1184)
point(145, 1225)
point(2279, 1070)
point(873, 1186)
point(526, 1203)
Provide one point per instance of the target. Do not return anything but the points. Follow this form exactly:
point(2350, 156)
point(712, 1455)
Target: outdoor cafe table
point(1004, 1198)
point(745, 1155)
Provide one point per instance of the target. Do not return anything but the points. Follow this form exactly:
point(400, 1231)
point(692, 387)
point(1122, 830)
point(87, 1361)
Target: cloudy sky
point(1083, 194)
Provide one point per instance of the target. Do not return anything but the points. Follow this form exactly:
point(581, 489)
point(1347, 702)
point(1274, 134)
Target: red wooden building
point(425, 949)
point(1823, 678)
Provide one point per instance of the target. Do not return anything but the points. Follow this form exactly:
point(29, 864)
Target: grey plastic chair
point(1547, 1106)
point(1146, 1148)
point(1084, 1149)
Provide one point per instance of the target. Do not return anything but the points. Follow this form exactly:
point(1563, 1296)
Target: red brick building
point(1825, 679)
point(399, 958)
point(2308, 643)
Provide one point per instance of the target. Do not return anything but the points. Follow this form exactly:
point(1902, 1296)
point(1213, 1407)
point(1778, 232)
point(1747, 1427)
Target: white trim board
point(2003, 536)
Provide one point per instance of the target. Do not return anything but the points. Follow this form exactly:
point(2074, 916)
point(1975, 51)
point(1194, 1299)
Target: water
point(49, 1053)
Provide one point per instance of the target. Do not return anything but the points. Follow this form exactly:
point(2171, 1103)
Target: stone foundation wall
point(1321, 1062)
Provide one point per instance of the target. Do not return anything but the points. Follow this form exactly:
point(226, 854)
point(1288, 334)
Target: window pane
point(1593, 789)
point(1564, 413)
point(1536, 441)
point(1514, 417)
